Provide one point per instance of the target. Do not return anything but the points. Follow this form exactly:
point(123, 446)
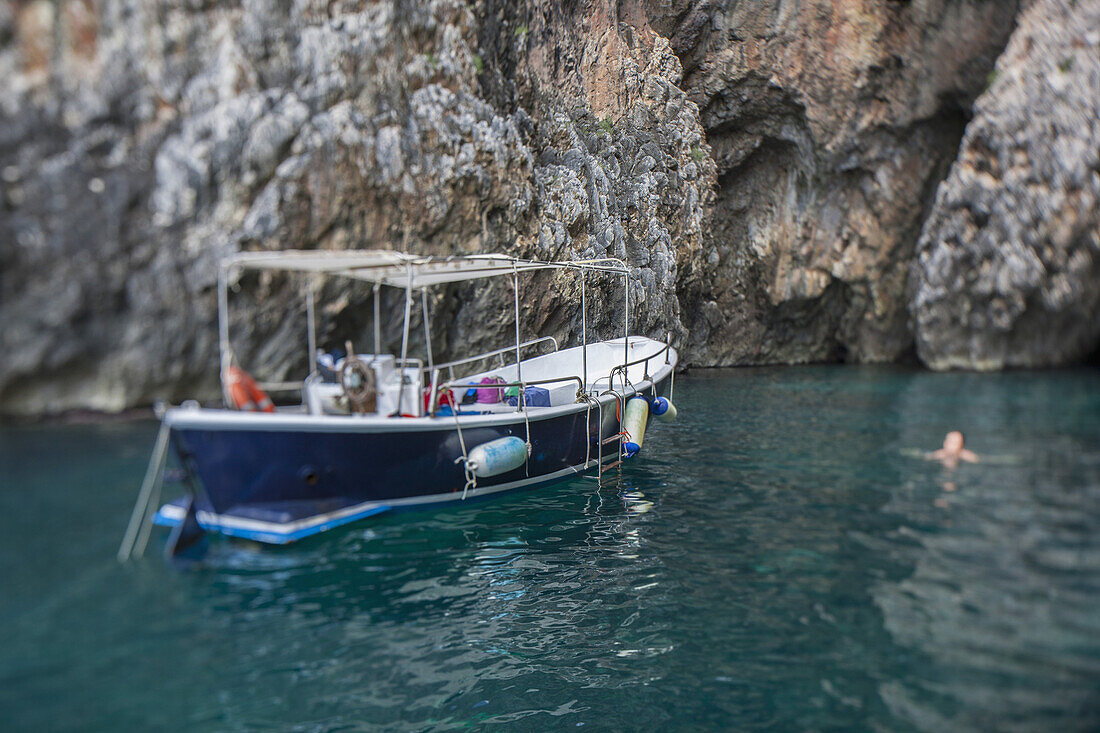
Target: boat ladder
point(141, 520)
point(616, 439)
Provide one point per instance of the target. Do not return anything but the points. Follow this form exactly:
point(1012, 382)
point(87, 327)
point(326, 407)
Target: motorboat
point(372, 432)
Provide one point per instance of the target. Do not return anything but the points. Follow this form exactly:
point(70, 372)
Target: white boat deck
point(563, 369)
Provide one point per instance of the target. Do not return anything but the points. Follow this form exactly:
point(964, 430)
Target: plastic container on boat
point(662, 407)
point(497, 456)
point(634, 421)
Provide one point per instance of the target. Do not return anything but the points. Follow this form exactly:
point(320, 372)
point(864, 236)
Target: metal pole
point(584, 333)
point(311, 324)
point(427, 327)
point(224, 353)
point(377, 322)
point(404, 339)
point(434, 392)
point(520, 401)
point(150, 512)
point(626, 321)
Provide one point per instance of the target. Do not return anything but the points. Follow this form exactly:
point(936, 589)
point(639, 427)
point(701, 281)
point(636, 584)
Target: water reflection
point(1000, 605)
point(452, 597)
point(781, 558)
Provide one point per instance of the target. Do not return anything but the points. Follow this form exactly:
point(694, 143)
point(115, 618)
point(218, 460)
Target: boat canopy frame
point(408, 272)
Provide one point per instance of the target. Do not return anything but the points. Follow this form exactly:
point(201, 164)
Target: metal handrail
point(451, 384)
point(411, 363)
point(623, 367)
point(470, 359)
point(664, 350)
point(504, 385)
point(281, 386)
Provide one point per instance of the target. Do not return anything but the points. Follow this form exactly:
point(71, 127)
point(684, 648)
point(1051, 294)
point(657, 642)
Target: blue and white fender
point(497, 456)
point(634, 422)
point(663, 407)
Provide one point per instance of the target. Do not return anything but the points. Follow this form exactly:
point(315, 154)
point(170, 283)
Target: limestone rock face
point(831, 125)
point(142, 141)
point(1008, 268)
point(763, 168)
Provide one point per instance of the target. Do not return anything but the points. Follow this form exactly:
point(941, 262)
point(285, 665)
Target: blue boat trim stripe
point(280, 533)
point(270, 532)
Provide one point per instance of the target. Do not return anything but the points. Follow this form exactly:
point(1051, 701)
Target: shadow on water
point(776, 559)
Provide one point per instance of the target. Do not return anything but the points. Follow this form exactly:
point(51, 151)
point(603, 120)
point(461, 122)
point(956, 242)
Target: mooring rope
point(464, 459)
point(527, 425)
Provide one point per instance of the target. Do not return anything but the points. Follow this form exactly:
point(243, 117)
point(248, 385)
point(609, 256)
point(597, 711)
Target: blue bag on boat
point(326, 367)
point(534, 397)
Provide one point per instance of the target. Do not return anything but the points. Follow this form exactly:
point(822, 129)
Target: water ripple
point(780, 558)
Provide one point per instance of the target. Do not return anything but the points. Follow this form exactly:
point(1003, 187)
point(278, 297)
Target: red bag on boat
point(491, 395)
point(444, 397)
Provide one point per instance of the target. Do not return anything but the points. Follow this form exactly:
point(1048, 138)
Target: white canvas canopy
point(400, 270)
point(408, 272)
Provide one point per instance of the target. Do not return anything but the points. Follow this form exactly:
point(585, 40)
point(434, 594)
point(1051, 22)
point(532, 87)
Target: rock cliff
point(142, 141)
point(831, 125)
point(1008, 270)
point(764, 168)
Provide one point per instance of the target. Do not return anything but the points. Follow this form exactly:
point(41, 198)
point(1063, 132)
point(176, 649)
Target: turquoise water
point(775, 559)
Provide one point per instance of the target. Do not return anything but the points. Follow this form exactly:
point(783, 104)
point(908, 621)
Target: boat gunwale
point(207, 418)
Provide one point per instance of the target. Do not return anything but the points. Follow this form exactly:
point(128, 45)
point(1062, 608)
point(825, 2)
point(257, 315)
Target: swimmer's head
point(954, 441)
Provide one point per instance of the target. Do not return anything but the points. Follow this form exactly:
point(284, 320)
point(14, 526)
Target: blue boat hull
point(281, 485)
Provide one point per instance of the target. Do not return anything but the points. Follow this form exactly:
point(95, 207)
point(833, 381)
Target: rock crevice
point(1009, 260)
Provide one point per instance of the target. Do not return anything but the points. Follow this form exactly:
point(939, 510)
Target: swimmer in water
point(953, 451)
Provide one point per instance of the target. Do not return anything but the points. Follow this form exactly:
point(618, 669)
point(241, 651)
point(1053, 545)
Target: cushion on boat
point(533, 397)
point(490, 395)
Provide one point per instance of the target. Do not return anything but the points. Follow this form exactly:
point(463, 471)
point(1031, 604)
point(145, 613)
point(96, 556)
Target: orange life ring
point(244, 393)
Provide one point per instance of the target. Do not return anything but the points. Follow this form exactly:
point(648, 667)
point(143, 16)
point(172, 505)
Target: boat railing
point(621, 369)
point(410, 363)
point(618, 369)
point(451, 384)
point(505, 385)
point(299, 386)
point(281, 386)
point(450, 365)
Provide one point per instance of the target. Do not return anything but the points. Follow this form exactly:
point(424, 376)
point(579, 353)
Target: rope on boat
point(583, 396)
point(527, 425)
point(464, 459)
point(619, 399)
point(154, 475)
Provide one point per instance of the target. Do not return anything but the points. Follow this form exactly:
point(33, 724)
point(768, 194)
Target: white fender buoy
point(637, 412)
point(497, 456)
point(663, 407)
